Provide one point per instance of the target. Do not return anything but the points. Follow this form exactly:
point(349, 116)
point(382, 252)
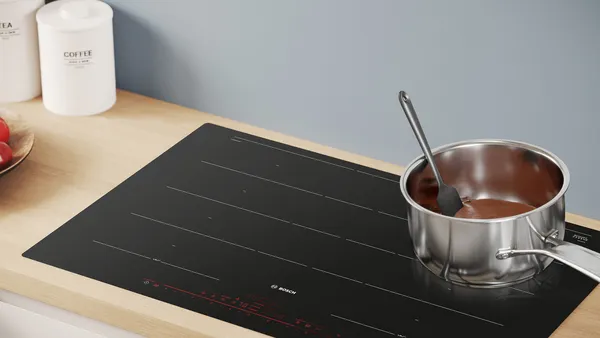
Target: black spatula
point(448, 198)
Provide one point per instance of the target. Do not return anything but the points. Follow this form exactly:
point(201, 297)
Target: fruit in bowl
point(6, 153)
point(4, 131)
point(16, 140)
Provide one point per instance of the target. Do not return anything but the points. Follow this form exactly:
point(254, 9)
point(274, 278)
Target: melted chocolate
point(494, 171)
point(491, 208)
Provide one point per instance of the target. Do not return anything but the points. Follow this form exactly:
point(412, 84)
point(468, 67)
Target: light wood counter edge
point(144, 315)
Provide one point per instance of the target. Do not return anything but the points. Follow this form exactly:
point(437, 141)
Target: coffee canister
point(19, 54)
point(77, 57)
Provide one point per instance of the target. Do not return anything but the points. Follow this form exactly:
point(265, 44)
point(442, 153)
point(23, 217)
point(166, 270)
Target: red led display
point(253, 305)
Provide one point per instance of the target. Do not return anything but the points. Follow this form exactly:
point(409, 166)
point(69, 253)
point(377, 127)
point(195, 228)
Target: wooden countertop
point(76, 160)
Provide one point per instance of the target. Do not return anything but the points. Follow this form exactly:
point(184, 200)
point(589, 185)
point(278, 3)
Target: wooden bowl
point(21, 138)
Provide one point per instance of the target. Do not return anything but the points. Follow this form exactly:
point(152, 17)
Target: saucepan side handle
point(579, 258)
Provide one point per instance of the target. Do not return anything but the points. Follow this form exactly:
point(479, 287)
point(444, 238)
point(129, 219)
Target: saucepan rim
point(441, 149)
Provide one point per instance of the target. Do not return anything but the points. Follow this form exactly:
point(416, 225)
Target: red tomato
point(6, 155)
point(4, 131)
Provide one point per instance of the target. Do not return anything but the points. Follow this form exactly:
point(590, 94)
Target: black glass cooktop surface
point(290, 243)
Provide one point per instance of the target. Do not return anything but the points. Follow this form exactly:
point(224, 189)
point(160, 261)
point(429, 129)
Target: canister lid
point(74, 15)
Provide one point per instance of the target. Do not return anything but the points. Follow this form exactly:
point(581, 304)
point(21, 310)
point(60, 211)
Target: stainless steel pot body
point(493, 252)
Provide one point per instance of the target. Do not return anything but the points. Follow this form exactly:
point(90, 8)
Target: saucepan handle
point(577, 257)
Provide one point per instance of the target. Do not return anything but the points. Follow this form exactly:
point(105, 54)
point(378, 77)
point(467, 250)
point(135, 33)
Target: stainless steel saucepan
point(493, 252)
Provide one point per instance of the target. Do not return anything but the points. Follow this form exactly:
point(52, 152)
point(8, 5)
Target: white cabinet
point(16, 322)
point(21, 317)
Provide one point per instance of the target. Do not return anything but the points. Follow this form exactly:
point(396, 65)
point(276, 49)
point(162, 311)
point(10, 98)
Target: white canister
point(77, 57)
point(19, 54)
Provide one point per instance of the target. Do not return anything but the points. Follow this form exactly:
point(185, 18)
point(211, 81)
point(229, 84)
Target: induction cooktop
point(291, 243)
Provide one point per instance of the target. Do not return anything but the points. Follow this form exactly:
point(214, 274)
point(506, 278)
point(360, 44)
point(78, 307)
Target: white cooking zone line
point(299, 189)
point(153, 259)
point(369, 326)
point(238, 139)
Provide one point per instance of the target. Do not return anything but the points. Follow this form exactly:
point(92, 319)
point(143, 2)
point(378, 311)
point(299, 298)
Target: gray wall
point(329, 71)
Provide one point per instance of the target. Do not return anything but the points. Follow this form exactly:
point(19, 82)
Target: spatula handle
point(411, 115)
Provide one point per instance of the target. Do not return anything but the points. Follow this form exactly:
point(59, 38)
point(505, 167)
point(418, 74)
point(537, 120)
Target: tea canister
point(19, 54)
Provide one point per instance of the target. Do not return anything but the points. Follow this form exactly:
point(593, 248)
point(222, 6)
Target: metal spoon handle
point(411, 115)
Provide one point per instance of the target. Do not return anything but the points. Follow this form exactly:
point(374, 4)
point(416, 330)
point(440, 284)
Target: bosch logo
point(279, 288)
